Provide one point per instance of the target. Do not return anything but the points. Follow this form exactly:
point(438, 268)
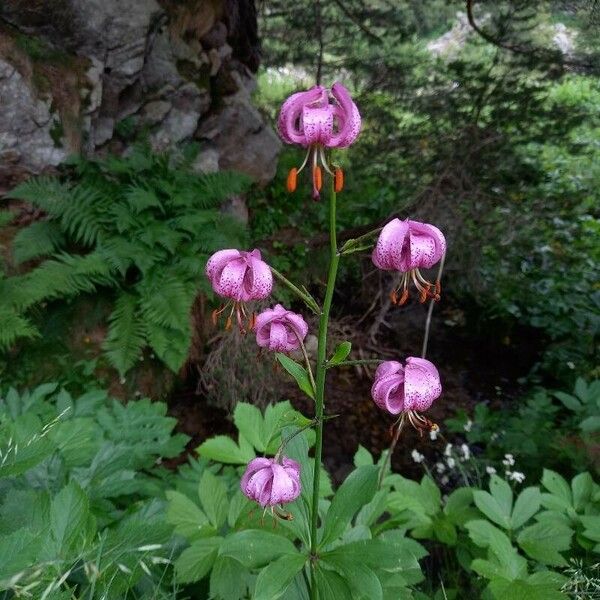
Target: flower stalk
point(321, 371)
point(303, 295)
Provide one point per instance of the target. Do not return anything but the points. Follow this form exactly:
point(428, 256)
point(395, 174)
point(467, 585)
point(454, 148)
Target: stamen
point(292, 180)
point(324, 160)
point(393, 297)
point(228, 325)
point(403, 297)
point(317, 178)
point(338, 180)
point(306, 157)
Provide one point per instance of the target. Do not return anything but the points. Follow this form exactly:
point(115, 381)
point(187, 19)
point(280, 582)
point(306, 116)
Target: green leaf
point(340, 354)
point(195, 562)
point(459, 506)
point(213, 497)
point(569, 401)
point(274, 579)
point(583, 487)
point(69, 520)
point(362, 457)
point(491, 508)
point(502, 493)
point(331, 585)
point(544, 542)
point(362, 580)
point(358, 489)
point(527, 504)
point(185, 515)
point(255, 548)
point(590, 424)
point(298, 372)
point(223, 449)
point(557, 486)
point(228, 579)
point(249, 421)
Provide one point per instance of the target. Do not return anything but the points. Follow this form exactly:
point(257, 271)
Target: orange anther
point(404, 297)
point(229, 324)
point(423, 296)
point(215, 316)
point(252, 321)
point(292, 180)
point(393, 297)
point(338, 180)
point(317, 178)
point(438, 287)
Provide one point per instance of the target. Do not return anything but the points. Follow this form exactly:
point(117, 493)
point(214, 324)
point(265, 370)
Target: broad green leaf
point(223, 449)
point(18, 551)
point(298, 372)
point(341, 353)
point(213, 497)
point(582, 486)
point(331, 585)
point(362, 580)
point(590, 424)
point(358, 489)
point(249, 421)
point(69, 519)
point(491, 508)
point(185, 515)
point(274, 579)
point(459, 506)
point(544, 542)
point(531, 589)
point(569, 401)
point(195, 562)
point(228, 579)
point(362, 457)
point(255, 548)
point(502, 493)
point(557, 486)
point(527, 504)
point(591, 526)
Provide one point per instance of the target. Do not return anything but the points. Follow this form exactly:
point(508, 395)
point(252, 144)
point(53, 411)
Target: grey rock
point(207, 161)
point(155, 112)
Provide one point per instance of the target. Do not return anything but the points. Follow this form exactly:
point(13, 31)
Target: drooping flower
point(270, 482)
point(407, 390)
point(408, 246)
point(241, 277)
point(317, 119)
point(279, 329)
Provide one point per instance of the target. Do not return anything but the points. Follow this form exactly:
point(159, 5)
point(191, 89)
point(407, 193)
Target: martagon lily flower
point(242, 277)
point(408, 246)
point(317, 119)
point(407, 389)
point(271, 481)
point(279, 329)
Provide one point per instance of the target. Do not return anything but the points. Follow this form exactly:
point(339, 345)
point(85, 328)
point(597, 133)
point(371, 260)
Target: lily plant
point(321, 120)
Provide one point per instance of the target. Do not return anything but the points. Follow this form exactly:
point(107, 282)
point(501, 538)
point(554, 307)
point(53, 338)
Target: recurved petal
point(255, 465)
point(284, 488)
point(348, 117)
point(292, 467)
point(259, 484)
point(289, 122)
point(388, 367)
point(317, 124)
point(278, 337)
point(297, 323)
point(427, 245)
point(388, 393)
point(422, 384)
point(230, 282)
point(387, 253)
point(259, 282)
point(216, 263)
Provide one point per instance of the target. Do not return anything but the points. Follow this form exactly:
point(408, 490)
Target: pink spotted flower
point(241, 277)
point(408, 246)
point(271, 482)
point(407, 389)
point(279, 329)
point(317, 119)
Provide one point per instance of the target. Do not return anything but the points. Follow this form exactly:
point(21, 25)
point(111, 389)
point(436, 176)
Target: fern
point(125, 340)
point(40, 239)
point(14, 327)
point(141, 225)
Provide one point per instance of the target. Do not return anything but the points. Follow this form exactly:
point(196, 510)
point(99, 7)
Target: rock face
point(87, 75)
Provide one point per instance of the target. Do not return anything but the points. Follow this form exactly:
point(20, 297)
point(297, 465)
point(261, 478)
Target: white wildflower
point(490, 470)
point(448, 450)
point(444, 480)
point(468, 425)
point(509, 460)
point(440, 467)
point(466, 451)
point(417, 456)
point(433, 434)
point(450, 462)
point(516, 476)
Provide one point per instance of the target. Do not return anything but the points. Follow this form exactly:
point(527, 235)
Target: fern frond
point(41, 238)
point(14, 327)
point(83, 214)
point(140, 199)
point(6, 217)
point(63, 276)
point(214, 188)
point(167, 300)
point(47, 193)
point(170, 345)
point(126, 336)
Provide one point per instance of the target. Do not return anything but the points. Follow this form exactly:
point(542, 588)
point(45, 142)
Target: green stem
point(334, 259)
point(350, 363)
point(304, 296)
